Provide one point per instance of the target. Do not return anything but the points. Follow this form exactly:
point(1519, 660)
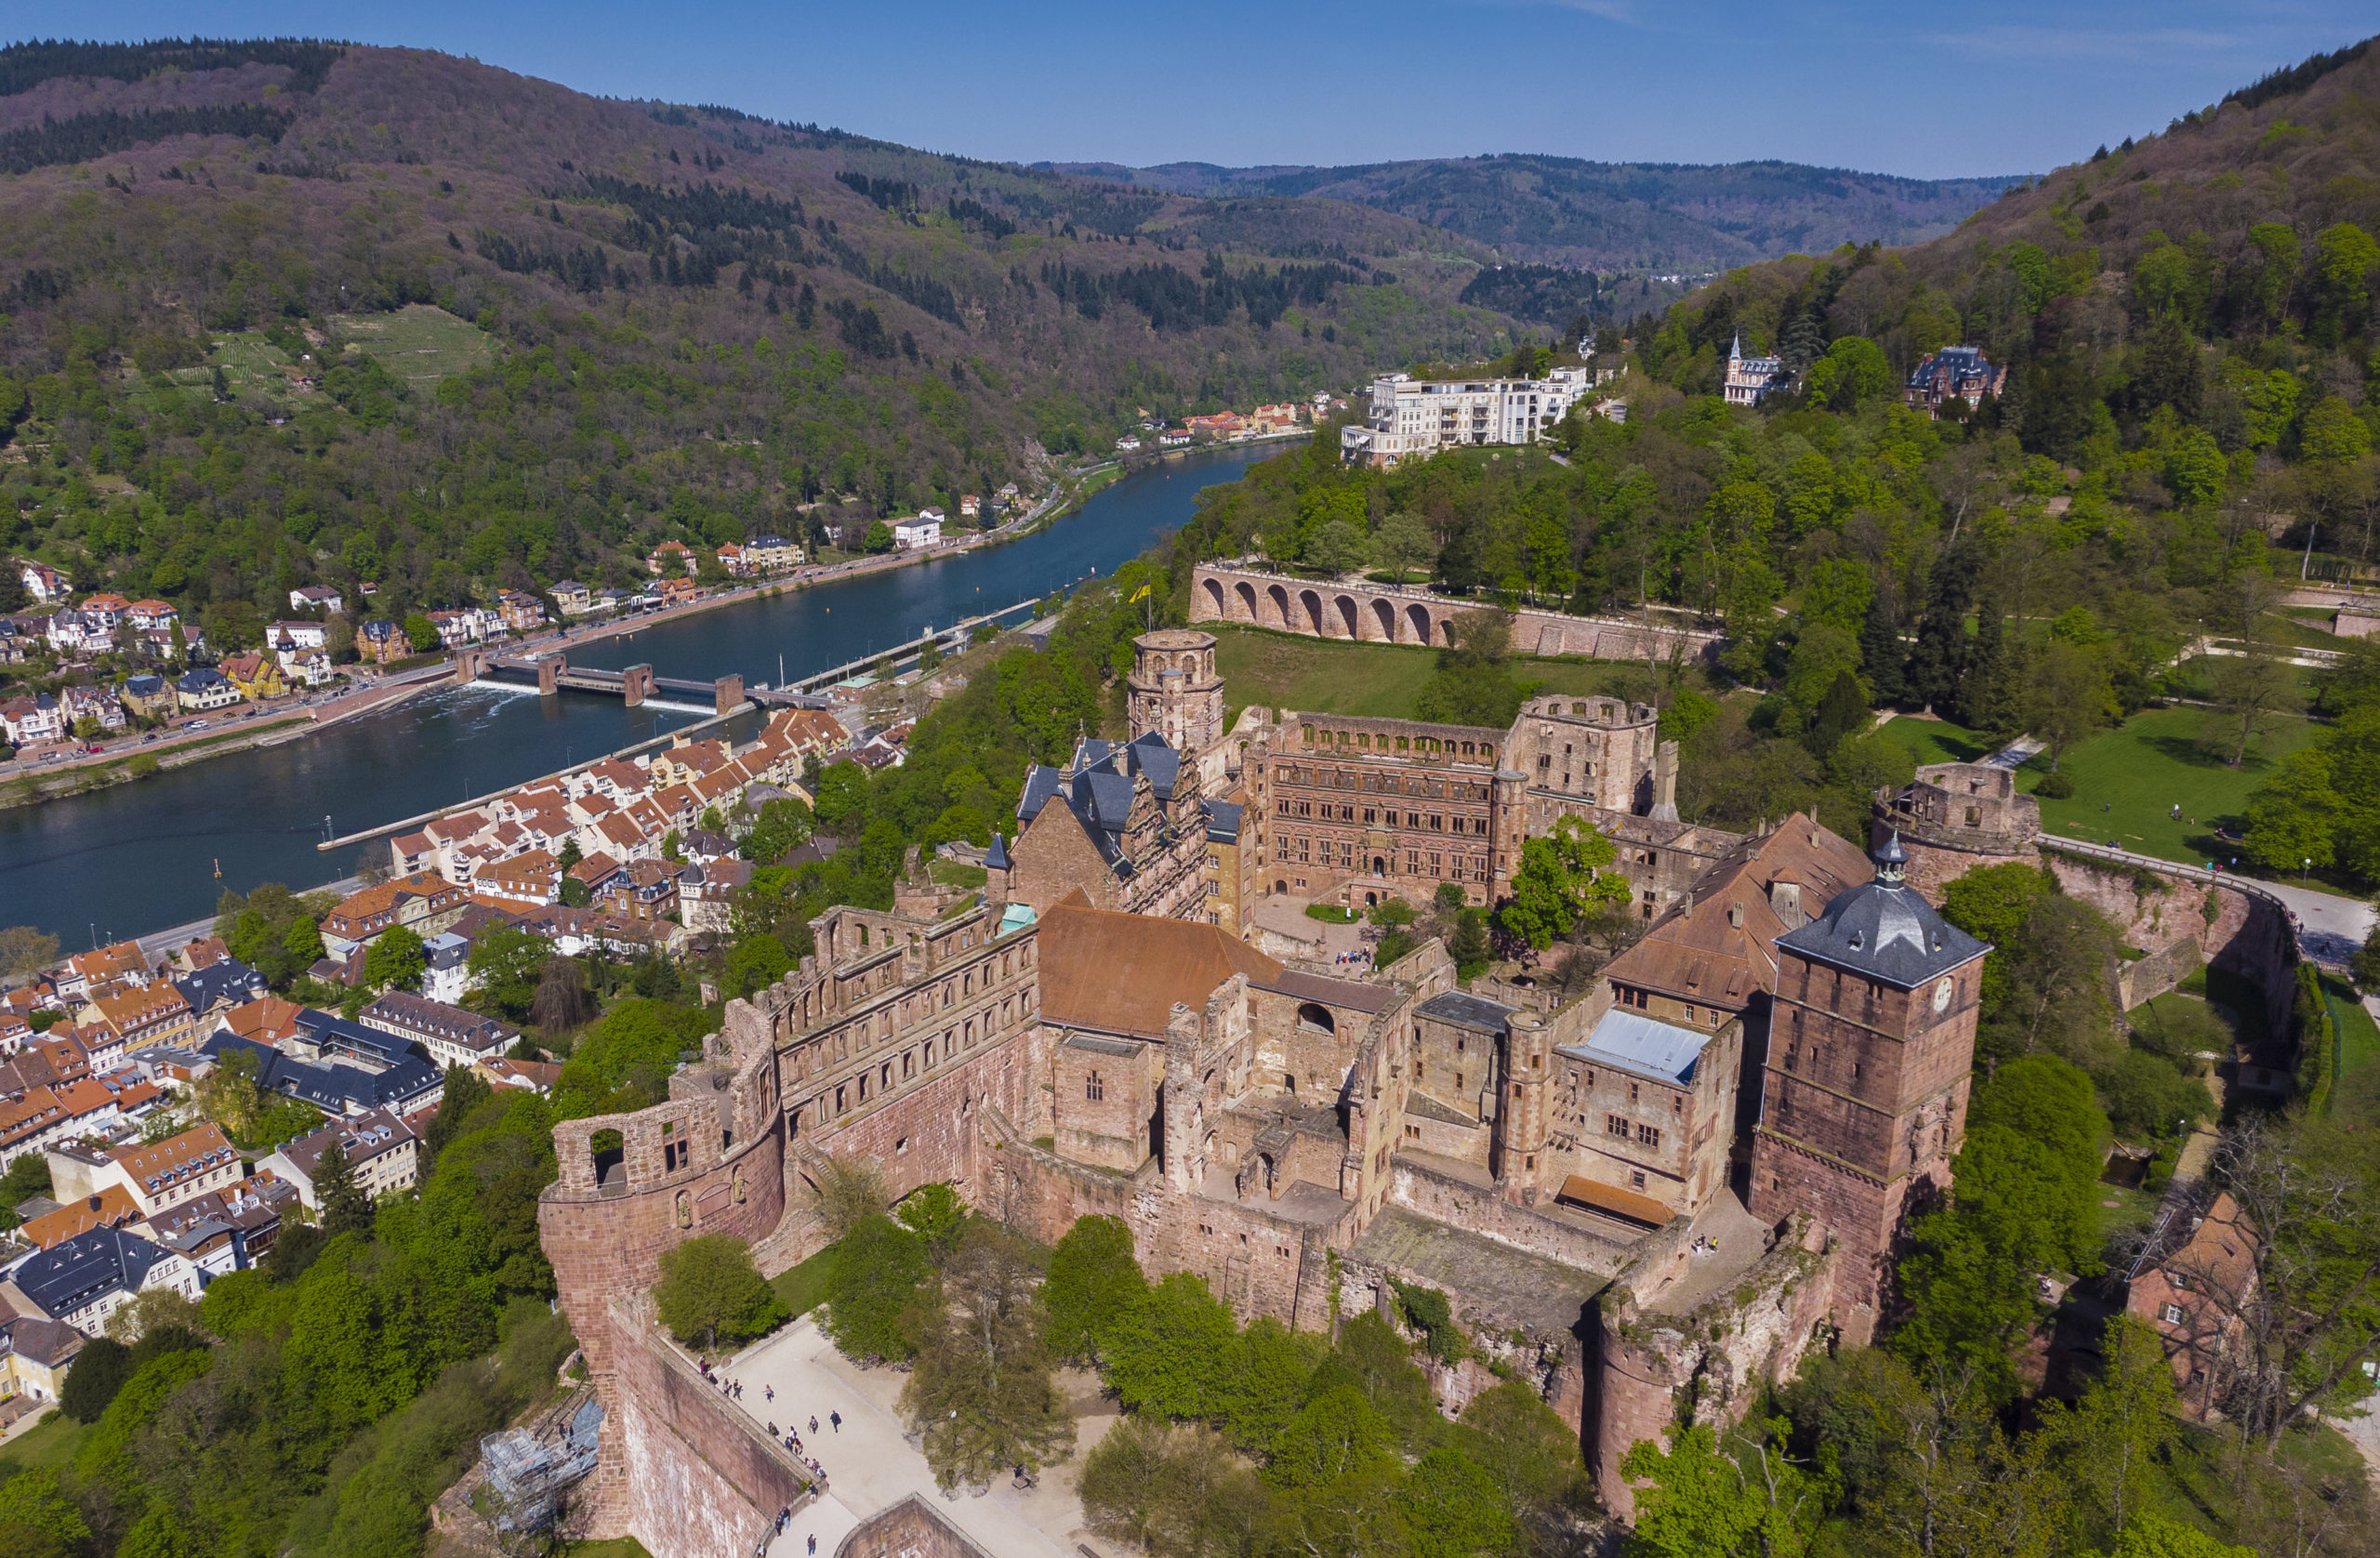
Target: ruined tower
point(1175, 690)
point(1865, 1087)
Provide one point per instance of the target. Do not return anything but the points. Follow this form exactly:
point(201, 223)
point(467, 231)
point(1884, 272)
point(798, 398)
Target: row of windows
point(1435, 821)
point(1624, 1129)
point(1381, 783)
point(1363, 741)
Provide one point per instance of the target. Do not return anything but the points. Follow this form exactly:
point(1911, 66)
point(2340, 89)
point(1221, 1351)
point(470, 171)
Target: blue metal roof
point(1633, 1042)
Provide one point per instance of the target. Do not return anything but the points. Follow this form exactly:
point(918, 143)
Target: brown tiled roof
point(267, 1020)
point(198, 1150)
point(115, 1208)
point(1618, 1202)
point(1700, 954)
point(1122, 972)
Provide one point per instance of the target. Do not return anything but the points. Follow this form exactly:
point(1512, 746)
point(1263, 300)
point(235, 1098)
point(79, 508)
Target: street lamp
point(2307, 872)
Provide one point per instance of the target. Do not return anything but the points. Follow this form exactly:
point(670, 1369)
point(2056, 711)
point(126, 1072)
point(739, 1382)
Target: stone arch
point(1380, 866)
point(1215, 594)
point(1280, 599)
point(1418, 616)
point(1386, 615)
point(1348, 616)
point(1315, 1015)
point(1312, 601)
point(1247, 593)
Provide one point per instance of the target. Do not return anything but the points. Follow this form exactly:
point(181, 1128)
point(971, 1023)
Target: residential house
point(94, 704)
point(731, 557)
point(422, 902)
point(521, 612)
point(227, 1230)
point(1279, 418)
point(106, 610)
point(2191, 1284)
point(83, 1281)
point(643, 890)
point(88, 974)
point(204, 688)
point(452, 1036)
point(254, 675)
point(75, 632)
point(155, 1174)
point(42, 1117)
point(677, 550)
point(31, 721)
point(338, 1090)
point(149, 1014)
point(153, 616)
point(706, 892)
point(321, 597)
point(308, 668)
point(215, 987)
point(538, 1077)
point(35, 1356)
point(769, 554)
point(1955, 372)
point(677, 592)
point(147, 696)
point(1222, 425)
point(381, 1147)
point(913, 534)
point(43, 582)
point(574, 598)
point(110, 1207)
point(380, 641)
point(533, 878)
point(298, 635)
point(454, 628)
point(969, 506)
point(266, 1022)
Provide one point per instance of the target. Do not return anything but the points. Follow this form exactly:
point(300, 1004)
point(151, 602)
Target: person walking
point(813, 1422)
point(836, 1419)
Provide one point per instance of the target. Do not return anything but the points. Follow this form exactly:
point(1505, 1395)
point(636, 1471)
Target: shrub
point(2056, 787)
point(710, 1292)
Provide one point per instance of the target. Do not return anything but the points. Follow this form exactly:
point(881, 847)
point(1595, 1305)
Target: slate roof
point(1222, 821)
point(332, 1087)
point(1886, 931)
point(1645, 1045)
point(66, 1276)
point(1465, 1011)
point(996, 858)
point(227, 980)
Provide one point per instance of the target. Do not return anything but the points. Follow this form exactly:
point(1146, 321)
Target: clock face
point(1943, 992)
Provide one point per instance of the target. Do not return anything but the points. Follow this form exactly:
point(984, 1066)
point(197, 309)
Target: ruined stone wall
point(2247, 934)
point(1654, 1371)
point(701, 1477)
point(911, 1528)
point(1427, 1191)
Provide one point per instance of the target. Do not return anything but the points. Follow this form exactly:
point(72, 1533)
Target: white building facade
point(1411, 417)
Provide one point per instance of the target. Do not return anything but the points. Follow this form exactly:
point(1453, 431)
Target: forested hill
point(1661, 217)
point(284, 311)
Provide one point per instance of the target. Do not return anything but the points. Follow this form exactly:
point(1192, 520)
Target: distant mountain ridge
point(1662, 217)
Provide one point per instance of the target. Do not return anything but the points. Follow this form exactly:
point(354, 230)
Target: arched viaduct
point(1369, 612)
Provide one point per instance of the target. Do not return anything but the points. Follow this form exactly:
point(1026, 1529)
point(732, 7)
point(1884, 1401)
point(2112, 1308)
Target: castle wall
point(911, 1528)
point(1440, 1197)
point(701, 1478)
point(2247, 933)
point(1711, 1360)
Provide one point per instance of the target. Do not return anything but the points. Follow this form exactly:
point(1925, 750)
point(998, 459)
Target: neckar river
point(128, 860)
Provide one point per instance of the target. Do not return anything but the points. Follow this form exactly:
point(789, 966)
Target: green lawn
point(418, 343)
point(1939, 741)
point(954, 873)
point(1377, 680)
point(2358, 1048)
point(2127, 780)
point(52, 1442)
point(804, 1286)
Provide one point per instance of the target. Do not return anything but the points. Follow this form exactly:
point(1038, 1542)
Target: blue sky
point(1923, 89)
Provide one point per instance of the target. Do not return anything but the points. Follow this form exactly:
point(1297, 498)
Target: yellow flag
point(1138, 596)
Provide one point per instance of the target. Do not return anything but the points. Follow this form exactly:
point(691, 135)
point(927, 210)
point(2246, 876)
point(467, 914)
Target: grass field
point(50, 1443)
point(801, 1286)
point(2359, 1053)
point(1939, 741)
point(2127, 780)
point(1331, 676)
point(418, 343)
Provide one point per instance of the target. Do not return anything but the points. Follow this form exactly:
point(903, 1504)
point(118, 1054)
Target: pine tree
point(1941, 657)
point(344, 1206)
point(1880, 651)
point(1984, 702)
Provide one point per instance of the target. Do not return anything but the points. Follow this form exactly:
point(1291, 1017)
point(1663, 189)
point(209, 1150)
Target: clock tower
point(1864, 1092)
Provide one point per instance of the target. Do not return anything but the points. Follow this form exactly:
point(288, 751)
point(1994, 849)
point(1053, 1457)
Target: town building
point(340, 1090)
point(155, 1174)
point(424, 903)
point(1750, 380)
point(319, 598)
point(1412, 418)
point(573, 598)
point(32, 721)
point(35, 1354)
point(669, 552)
point(381, 1147)
point(84, 708)
point(255, 676)
point(147, 696)
point(83, 1280)
point(2193, 1284)
point(204, 688)
point(913, 534)
point(1955, 372)
point(448, 1033)
point(43, 582)
point(382, 641)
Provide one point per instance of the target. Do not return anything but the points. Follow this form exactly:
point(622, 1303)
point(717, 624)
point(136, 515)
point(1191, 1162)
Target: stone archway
point(1312, 601)
point(1418, 616)
point(1347, 615)
point(1247, 593)
point(1215, 594)
point(1280, 599)
point(1386, 615)
point(1380, 866)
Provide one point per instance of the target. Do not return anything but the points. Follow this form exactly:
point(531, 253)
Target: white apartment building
point(1411, 417)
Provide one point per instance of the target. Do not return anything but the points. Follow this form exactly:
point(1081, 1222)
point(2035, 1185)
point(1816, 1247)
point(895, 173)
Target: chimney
point(1665, 782)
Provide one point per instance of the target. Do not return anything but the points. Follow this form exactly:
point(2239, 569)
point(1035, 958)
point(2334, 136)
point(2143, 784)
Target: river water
point(126, 860)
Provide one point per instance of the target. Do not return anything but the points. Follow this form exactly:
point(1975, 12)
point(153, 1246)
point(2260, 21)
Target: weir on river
point(122, 861)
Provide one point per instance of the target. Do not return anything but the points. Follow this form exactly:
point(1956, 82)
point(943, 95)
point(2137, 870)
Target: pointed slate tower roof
point(996, 858)
point(1884, 930)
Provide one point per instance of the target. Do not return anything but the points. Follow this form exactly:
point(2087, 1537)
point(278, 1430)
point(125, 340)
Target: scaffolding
point(529, 1468)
